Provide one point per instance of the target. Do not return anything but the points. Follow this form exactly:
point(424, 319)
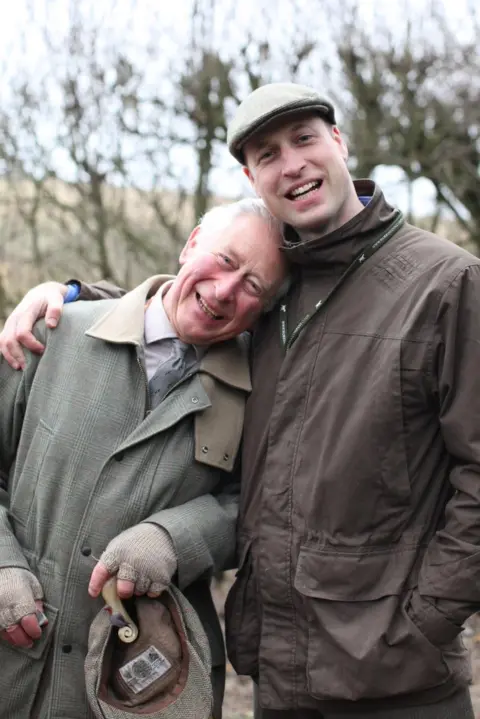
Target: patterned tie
point(172, 369)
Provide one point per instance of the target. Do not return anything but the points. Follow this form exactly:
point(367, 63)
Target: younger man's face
point(298, 167)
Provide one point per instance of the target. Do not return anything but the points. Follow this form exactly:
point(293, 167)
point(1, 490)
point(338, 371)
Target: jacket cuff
point(434, 625)
point(202, 543)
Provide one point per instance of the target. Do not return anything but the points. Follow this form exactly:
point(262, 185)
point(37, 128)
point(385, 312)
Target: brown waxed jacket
point(359, 526)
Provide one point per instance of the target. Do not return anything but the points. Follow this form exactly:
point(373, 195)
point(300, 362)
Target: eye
point(225, 259)
point(253, 287)
point(304, 137)
point(265, 156)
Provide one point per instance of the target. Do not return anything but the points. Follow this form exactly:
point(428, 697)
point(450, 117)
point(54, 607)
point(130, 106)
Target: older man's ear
point(190, 244)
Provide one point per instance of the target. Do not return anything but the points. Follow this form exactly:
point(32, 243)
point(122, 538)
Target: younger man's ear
point(248, 175)
point(337, 136)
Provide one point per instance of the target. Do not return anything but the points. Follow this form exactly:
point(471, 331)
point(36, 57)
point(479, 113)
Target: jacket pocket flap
point(40, 645)
point(353, 576)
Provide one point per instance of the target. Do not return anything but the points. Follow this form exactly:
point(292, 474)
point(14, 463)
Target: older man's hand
point(143, 560)
point(45, 300)
point(20, 600)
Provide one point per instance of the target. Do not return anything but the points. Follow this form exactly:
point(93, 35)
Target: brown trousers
point(458, 706)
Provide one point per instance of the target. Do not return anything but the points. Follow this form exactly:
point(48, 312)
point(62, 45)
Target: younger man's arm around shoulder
point(45, 300)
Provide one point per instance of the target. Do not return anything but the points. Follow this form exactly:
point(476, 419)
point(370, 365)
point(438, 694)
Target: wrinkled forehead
point(252, 239)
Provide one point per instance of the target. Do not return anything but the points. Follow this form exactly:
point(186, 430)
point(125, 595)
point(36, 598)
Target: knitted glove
point(19, 589)
point(144, 555)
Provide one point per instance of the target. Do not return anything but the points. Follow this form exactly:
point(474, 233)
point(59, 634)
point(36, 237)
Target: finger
point(100, 574)
point(54, 312)
point(24, 335)
point(15, 358)
point(155, 589)
point(142, 585)
point(29, 624)
point(9, 347)
point(18, 637)
point(125, 588)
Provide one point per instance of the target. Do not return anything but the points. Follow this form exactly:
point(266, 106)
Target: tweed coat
point(85, 458)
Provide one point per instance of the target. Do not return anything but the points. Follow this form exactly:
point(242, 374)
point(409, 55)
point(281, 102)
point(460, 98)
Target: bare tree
point(413, 102)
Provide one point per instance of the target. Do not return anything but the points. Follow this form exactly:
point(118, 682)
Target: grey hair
point(220, 216)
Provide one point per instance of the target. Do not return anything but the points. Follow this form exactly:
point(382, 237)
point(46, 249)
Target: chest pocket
point(218, 429)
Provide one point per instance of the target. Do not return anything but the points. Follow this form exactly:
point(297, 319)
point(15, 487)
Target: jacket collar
point(124, 324)
point(337, 249)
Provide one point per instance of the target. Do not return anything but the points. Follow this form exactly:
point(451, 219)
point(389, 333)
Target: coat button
point(226, 457)
point(195, 400)
point(67, 648)
point(86, 551)
point(205, 449)
point(119, 456)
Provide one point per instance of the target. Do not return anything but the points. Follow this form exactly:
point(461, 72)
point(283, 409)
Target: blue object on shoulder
point(73, 290)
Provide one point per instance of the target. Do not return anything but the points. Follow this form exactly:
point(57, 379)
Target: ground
point(238, 692)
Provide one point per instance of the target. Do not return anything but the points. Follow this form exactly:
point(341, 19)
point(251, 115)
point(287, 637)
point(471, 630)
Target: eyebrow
point(262, 140)
point(298, 125)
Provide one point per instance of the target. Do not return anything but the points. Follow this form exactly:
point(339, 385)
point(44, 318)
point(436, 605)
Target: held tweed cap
point(163, 674)
point(268, 103)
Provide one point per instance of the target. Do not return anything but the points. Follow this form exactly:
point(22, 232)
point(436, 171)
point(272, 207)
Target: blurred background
point(113, 117)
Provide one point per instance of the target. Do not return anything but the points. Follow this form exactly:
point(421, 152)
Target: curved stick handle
point(128, 630)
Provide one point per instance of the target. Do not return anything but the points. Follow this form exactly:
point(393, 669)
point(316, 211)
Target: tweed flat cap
point(162, 674)
point(268, 103)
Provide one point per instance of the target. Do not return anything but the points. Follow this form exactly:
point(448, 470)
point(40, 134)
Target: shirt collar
point(157, 324)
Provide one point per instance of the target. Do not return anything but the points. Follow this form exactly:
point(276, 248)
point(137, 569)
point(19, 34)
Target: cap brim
point(326, 112)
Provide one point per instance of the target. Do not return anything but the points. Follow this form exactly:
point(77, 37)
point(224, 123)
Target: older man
point(359, 527)
point(119, 442)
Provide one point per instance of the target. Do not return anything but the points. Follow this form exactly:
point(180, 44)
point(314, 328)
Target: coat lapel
point(217, 394)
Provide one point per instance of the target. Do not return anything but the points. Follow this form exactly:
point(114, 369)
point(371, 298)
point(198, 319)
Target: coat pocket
point(242, 617)
point(22, 669)
point(361, 641)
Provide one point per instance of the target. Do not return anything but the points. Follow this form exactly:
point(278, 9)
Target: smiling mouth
point(304, 190)
point(209, 312)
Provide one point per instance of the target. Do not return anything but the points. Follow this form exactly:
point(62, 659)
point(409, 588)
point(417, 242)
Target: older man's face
point(225, 280)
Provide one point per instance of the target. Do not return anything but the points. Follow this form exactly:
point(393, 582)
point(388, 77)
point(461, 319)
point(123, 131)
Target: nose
point(226, 286)
point(293, 162)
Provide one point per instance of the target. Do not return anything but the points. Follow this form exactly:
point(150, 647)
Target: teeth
point(304, 188)
point(207, 309)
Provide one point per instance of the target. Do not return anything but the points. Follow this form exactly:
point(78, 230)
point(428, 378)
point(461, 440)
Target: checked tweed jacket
point(84, 459)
